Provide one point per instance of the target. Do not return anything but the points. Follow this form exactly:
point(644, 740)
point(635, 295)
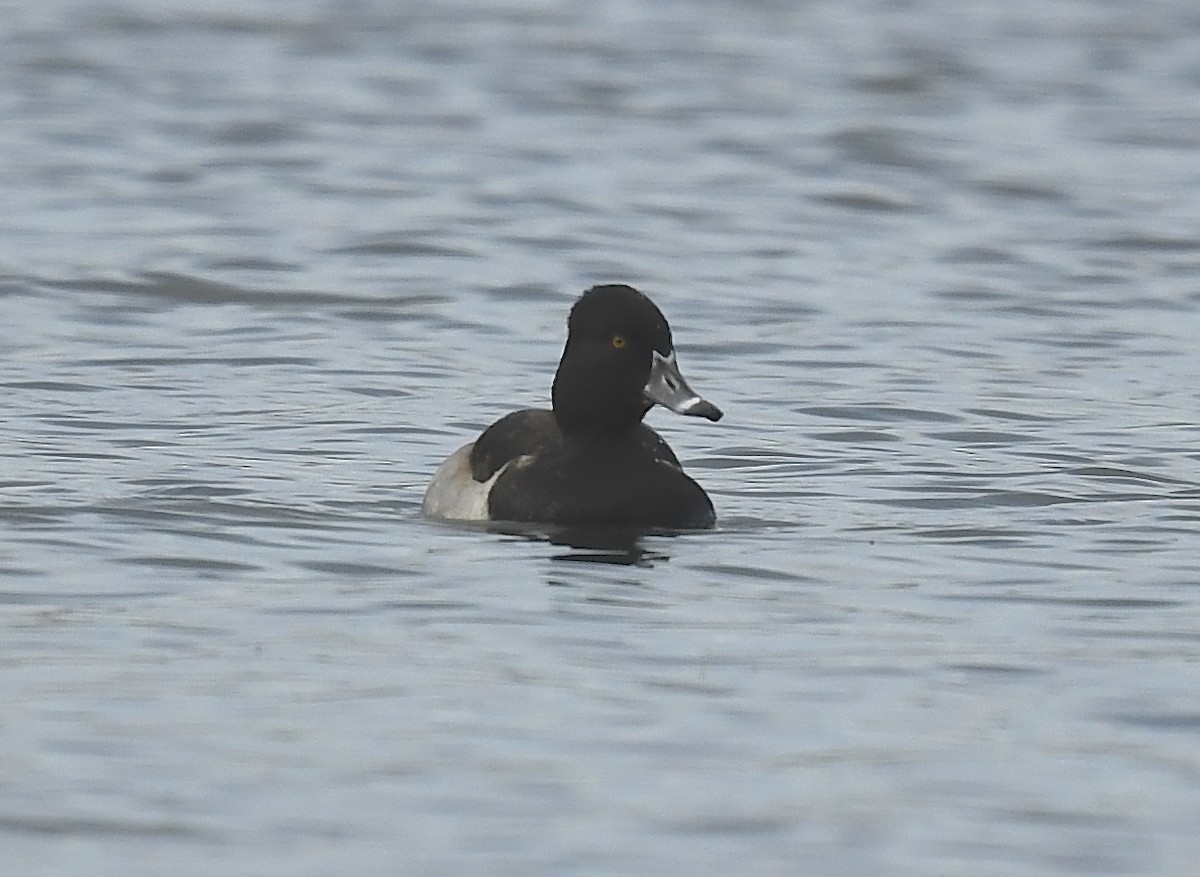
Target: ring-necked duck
point(591, 460)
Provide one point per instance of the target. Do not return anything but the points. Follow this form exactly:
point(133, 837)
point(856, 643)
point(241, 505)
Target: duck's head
point(618, 362)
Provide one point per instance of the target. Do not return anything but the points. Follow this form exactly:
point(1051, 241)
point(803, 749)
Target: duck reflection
point(618, 546)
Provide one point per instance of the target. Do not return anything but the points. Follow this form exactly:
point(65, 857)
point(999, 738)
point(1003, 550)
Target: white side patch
point(453, 495)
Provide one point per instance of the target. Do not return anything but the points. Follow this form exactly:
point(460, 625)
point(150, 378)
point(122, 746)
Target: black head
point(615, 338)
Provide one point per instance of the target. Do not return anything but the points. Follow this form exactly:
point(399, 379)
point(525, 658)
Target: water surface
point(262, 266)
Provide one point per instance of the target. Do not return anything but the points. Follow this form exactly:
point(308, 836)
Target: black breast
point(634, 481)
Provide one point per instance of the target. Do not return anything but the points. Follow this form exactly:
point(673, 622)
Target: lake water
point(263, 265)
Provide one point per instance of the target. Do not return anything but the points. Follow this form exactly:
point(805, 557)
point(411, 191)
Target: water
point(262, 266)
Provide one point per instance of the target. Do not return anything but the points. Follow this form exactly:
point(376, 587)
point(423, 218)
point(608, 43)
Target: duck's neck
point(590, 404)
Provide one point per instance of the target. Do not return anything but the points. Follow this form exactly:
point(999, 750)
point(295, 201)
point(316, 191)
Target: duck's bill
point(667, 387)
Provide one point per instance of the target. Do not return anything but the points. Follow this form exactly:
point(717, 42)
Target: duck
point(590, 459)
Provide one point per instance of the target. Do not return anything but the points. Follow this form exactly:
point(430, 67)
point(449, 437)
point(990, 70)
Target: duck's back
point(513, 436)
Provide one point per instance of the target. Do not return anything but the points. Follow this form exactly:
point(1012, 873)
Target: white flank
point(453, 495)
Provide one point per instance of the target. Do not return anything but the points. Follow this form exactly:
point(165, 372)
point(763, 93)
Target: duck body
point(591, 460)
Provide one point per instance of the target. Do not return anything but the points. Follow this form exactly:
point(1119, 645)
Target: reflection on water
point(621, 546)
point(613, 545)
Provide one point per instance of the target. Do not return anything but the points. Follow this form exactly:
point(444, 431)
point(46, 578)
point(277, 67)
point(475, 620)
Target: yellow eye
point(618, 341)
